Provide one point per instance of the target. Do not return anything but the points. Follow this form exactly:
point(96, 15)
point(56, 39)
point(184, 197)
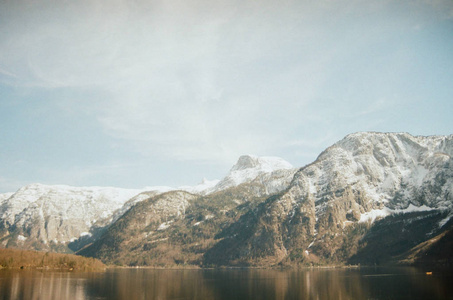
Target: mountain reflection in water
point(132, 284)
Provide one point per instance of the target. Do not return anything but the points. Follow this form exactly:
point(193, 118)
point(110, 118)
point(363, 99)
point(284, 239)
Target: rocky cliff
point(328, 209)
point(178, 227)
point(65, 219)
point(42, 217)
point(370, 198)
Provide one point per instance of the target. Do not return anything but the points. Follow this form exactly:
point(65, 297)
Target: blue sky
point(144, 93)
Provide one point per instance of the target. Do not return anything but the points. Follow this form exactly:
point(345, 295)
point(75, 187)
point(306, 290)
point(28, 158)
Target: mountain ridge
point(38, 215)
point(264, 212)
point(361, 174)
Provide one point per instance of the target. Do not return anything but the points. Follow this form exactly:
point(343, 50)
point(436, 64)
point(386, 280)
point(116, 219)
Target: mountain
point(249, 167)
point(205, 187)
point(326, 215)
point(246, 169)
point(178, 227)
point(46, 217)
point(370, 198)
point(65, 219)
point(5, 196)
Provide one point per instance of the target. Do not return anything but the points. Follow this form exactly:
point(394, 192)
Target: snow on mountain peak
point(393, 170)
point(249, 167)
point(65, 212)
point(401, 141)
point(61, 212)
point(263, 164)
point(245, 162)
point(203, 188)
point(4, 197)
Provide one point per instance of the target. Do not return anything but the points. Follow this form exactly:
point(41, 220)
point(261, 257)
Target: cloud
point(196, 80)
point(178, 82)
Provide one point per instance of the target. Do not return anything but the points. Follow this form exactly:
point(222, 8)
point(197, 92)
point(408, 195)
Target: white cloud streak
point(188, 79)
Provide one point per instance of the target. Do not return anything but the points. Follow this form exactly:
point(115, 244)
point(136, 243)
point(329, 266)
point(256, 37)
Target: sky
point(148, 93)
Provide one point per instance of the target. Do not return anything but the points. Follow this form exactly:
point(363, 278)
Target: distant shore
point(27, 259)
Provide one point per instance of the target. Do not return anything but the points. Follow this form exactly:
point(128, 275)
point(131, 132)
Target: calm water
point(131, 284)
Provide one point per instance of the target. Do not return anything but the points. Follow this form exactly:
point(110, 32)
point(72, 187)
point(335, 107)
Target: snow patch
point(382, 213)
point(413, 208)
point(373, 214)
point(164, 225)
point(207, 217)
point(21, 238)
point(5, 196)
point(249, 167)
point(445, 220)
point(204, 187)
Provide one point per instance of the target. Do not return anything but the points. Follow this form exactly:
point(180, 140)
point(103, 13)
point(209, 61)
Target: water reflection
point(132, 284)
point(39, 285)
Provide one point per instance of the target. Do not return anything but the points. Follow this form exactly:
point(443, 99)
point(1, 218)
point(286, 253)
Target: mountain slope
point(142, 221)
point(249, 167)
point(146, 235)
point(330, 203)
point(50, 217)
point(64, 218)
point(394, 239)
point(437, 251)
point(369, 198)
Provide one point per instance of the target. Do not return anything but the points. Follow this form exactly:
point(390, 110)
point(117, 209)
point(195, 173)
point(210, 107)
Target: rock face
point(63, 218)
point(266, 170)
point(178, 227)
point(139, 227)
point(369, 198)
point(330, 203)
point(50, 217)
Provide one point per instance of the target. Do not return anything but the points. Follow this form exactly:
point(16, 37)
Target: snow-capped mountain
point(4, 197)
point(58, 214)
point(273, 172)
point(250, 167)
point(205, 187)
point(393, 170)
point(358, 179)
point(378, 193)
point(46, 215)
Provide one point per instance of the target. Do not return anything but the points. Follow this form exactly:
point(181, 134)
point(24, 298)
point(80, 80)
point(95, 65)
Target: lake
point(132, 284)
